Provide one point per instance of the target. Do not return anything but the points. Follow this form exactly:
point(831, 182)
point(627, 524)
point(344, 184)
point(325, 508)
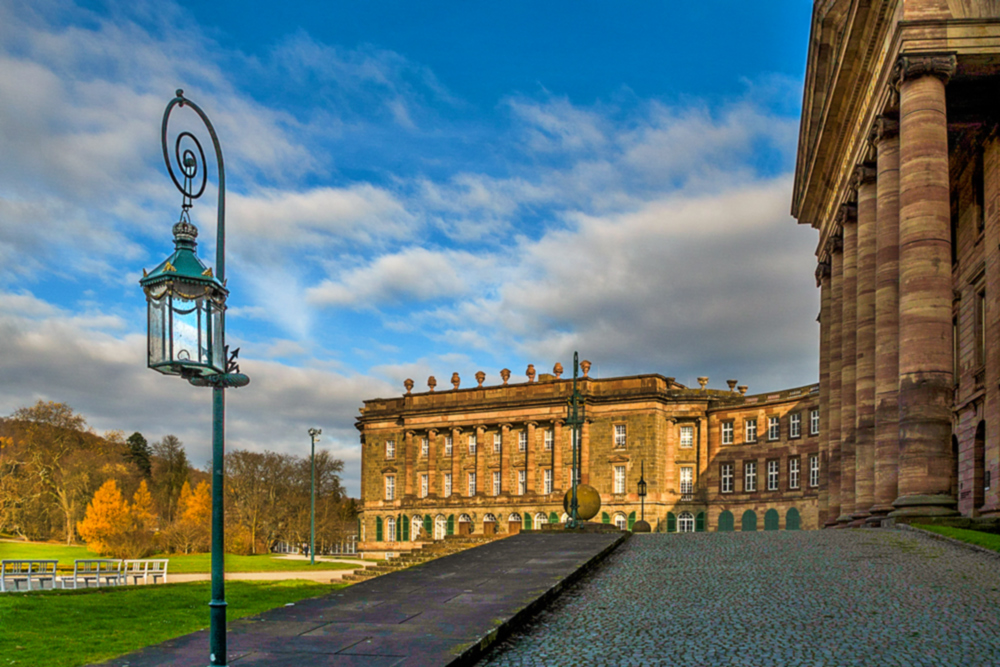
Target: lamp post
point(642, 488)
point(313, 435)
point(185, 307)
point(575, 419)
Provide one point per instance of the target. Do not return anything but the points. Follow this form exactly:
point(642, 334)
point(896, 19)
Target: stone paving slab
point(784, 599)
point(446, 611)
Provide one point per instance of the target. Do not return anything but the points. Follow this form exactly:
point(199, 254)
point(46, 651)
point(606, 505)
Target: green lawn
point(179, 564)
point(70, 628)
point(988, 540)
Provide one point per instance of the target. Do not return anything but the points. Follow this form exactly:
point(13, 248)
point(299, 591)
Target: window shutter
point(631, 520)
point(428, 528)
point(406, 529)
point(605, 517)
point(451, 524)
point(553, 517)
point(527, 521)
point(378, 529)
point(671, 523)
point(699, 523)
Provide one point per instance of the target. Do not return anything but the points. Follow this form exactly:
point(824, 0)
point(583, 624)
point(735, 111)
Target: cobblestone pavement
point(783, 599)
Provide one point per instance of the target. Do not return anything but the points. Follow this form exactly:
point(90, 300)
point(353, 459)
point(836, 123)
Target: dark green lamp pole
point(575, 419)
point(313, 435)
point(642, 488)
point(186, 307)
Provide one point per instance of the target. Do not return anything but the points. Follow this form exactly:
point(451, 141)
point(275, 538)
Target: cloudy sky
point(414, 189)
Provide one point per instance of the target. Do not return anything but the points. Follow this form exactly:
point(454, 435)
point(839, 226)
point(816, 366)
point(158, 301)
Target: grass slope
point(979, 538)
point(71, 628)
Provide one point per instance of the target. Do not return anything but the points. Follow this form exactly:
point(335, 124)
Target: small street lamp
point(642, 488)
point(185, 307)
point(313, 435)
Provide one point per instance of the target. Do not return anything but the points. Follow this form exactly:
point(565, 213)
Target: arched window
point(390, 529)
point(541, 519)
point(565, 518)
point(489, 518)
point(685, 522)
point(621, 521)
point(514, 517)
point(440, 526)
point(416, 524)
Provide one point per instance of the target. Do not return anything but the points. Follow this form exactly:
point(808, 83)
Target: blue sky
point(414, 189)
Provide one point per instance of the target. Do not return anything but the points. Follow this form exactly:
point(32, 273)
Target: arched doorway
point(621, 521)
point(685, 522)
point(514, 523)
point(792, 520)
point(726, 522)
point(541, 519)
point(416, 527)
point(771, 519)
point(489, 525)
point(464, 524)
point(440, 526)
point(749, 521)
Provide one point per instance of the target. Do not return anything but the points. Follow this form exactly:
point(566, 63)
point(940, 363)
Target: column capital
point(836, 242)
point(884, 127)
point(847, 214)
point(864, 174)
point(822, 272)
point(506, 426)
point(431, 432)
point(941, 65)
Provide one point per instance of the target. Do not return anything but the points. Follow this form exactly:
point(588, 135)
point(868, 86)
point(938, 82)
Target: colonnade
point(886, 385)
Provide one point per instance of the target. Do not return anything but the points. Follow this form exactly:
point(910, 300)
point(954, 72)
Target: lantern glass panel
point(218, 352)
point(157, 337)
point(187, 331)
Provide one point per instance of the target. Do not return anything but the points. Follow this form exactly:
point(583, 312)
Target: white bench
point(16, 571)
point(108, 570)
point(145, 569)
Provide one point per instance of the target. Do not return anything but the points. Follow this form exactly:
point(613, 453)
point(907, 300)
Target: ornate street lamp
point(575, 420)
point(642, 488)
point(186, 306)
point(313, 435)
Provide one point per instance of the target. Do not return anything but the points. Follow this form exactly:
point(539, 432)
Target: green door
point(771, 519)
point(527, 521)
point(671, 523)
point(406, 528)
point(726, 522)
point(749, 521)
point(378, 529)
point(553, 517)
point(605, 517)
point(631, 520)
point(451, 525)
point(428, 527)
point(792, 520)
point(699, 523)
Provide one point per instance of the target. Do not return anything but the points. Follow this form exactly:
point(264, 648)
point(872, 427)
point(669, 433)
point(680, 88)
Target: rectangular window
point(773, 471)
point(448, 445)
point(472, 483)
point(793, 473)
point(687, 481)
point(390, 487)
point(619, 436)
point(496, 482)
point(472, 443)
point(687, 436)
point(522, 482)
point(727, 477)
point(795, 425)
point(423, 485)
point(425, 446)
point(814, 470)
point(750, 476)
point(619, 479)
point(390, 449)
point(773, 428)
point(447, 484)
point(980, 328)
point(814, 421)
point(496, 443)
point(750, 430)
point(550, 439)
point(727, 433)
point(547, 480)
point(522, 441)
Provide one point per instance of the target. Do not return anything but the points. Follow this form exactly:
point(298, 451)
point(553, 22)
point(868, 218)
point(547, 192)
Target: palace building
point(496, 459)
point(898, 171)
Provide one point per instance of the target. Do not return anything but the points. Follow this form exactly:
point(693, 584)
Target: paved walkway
point(443, 612)
point(815, 599)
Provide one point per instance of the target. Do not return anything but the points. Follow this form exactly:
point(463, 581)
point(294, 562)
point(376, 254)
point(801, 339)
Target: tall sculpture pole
point(575, 420)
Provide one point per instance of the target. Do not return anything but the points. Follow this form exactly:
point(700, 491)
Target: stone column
point(505, 457)
point(482, 456)
point(409, 462)
point(456, 460)
point(585, 452)
point(823, 282)
point(848, 371)
point(531, 459)
point(432, 456)
point(925, 290)
point(669, 484)
point(887, 318)
point(557, 456)
point(991, 409)
point(832, 472)
point(864, 456)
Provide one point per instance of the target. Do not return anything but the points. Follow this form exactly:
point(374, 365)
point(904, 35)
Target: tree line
point(128, 498)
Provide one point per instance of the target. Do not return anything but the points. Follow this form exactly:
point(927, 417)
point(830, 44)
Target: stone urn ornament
point(455, 380)
point(505, 375)
point(432, 382)
point(557, 370)
point(530, 372)
point(480, 377)
point(408, 383)
point(703, 381)
point(585, 366)
point(732, 385)
point(743, 389)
